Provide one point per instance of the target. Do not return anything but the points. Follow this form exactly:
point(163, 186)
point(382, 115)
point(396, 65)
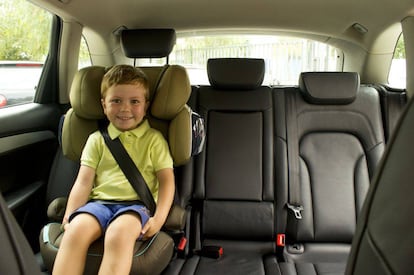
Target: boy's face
point(125, 105)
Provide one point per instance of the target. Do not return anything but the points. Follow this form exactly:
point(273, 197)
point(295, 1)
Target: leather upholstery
point(147, 43)
point(233, 193)
point(235, 73)
point(341, 142)
point(383, 239)
point(329, 87)
point(17, 256)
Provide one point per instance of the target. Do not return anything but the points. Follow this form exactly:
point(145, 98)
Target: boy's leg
point(81, 232)
point(120, 238)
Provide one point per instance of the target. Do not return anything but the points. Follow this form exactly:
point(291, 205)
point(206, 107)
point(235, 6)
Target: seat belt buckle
point(296, 210)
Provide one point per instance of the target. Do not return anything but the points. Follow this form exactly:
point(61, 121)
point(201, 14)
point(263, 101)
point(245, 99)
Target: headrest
point(85, 92)
point(336, 88)
point(168, 112)
point(147, 43)
point(172, 92)
point(236, 73)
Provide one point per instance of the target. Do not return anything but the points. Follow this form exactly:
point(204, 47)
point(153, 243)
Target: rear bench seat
point(340, 140)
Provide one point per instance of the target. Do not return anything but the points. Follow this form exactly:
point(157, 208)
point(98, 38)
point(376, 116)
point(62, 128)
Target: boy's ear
point(103, 105)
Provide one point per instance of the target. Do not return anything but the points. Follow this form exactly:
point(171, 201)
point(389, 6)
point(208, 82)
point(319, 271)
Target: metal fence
point(284, 59)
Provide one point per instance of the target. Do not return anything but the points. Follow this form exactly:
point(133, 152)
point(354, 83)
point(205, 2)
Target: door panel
point(28, 143)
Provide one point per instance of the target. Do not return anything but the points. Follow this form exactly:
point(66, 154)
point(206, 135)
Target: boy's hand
point(152, 226)
point(65, 225)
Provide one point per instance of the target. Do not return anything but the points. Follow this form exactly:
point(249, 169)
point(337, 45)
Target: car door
point(28, 129)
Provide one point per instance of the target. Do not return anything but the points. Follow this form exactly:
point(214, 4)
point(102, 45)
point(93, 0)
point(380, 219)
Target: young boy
point(102, 202)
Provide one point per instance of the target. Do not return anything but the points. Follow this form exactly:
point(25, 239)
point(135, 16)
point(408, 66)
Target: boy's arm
point(80, 192)
point(165, 199)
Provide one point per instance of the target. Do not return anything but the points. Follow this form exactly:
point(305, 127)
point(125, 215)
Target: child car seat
point(172, 118)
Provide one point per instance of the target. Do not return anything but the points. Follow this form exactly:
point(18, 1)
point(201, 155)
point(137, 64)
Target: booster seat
point(168, 112)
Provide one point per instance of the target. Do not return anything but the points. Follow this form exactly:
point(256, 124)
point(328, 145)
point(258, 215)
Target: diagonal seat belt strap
point(129, 168)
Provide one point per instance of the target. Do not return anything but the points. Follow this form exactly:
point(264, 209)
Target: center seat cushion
point(233, 194)
point(340, 142)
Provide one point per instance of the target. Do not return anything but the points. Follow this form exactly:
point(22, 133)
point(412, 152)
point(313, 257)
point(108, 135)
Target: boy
point(113, 210)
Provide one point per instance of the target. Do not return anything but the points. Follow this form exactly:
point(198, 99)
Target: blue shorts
point(106, 213)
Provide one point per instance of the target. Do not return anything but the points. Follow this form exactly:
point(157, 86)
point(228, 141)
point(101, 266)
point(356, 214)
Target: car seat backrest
point(234, 175)
point(383, 239)
point(17, 256)
point(341, 141)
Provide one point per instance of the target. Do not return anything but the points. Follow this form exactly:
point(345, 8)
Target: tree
point(399, 52)
point(24, 31)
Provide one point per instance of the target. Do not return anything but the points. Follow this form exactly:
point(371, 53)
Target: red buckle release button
point(182, 243)
point(280, 240)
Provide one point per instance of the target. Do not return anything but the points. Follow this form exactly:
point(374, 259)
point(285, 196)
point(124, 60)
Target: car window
point(397, 74)
point(84, 55)
point(24, 45)
point(285, 57)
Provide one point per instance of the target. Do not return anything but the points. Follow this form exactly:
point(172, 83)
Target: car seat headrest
point(172, 93)
point(170, 96)
point(236, 73)
point(336, 88)
point(85, 92)
point(168, 111)
point(147, 43)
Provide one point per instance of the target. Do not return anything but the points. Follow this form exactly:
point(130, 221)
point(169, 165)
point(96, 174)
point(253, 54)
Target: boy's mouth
point(124, 118)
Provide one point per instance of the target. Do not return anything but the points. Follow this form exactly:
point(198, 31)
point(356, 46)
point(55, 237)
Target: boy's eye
point(115, 100)
point(135, 101)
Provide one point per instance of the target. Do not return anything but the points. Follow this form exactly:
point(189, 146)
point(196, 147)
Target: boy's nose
point(125, 106)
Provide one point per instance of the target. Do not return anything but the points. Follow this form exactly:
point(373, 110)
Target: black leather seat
point(233, 198)
point(339, 138)
point(384, 235)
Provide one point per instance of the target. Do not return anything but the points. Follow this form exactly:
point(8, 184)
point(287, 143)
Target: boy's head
point(124, 74)
point(125, 96)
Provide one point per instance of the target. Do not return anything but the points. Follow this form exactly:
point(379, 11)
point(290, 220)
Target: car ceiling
point(329, 18)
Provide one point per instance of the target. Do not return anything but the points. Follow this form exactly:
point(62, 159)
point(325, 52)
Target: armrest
point(176, 218)
point(56, 209)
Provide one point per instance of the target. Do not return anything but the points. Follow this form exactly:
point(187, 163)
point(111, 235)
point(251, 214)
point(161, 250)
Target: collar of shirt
point(137, 132)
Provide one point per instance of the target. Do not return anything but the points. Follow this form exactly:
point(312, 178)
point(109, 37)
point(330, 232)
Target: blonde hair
point(124, 74)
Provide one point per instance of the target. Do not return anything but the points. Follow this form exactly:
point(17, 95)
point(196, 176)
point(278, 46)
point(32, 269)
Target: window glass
point(84, 55)
point(24, 45)
point(396, 77)
point(285, 57)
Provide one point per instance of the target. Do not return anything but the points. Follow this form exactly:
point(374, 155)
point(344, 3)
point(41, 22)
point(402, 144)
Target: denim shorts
point(106, 213)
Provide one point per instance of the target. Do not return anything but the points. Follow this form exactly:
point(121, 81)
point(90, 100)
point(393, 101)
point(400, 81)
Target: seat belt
point(294, 200)
point(128, 167)
point(392, 105)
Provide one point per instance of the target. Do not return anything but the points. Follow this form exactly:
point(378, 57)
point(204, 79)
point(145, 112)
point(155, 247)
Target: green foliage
point(24, 31)
point(399, 52)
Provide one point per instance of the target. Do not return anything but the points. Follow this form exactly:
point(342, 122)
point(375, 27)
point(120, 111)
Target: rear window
point(397, 74)
point(285, 57)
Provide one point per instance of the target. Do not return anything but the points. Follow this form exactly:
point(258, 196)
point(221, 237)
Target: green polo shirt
point(147, 148)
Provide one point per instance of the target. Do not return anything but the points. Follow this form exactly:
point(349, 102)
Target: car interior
point(308, 177)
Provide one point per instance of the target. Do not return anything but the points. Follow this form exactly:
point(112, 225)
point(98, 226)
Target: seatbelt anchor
point(296, 210)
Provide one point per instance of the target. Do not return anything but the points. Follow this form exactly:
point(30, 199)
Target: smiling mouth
point(124, 118)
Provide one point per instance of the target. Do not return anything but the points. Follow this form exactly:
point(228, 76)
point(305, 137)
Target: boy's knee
point(120, 233)
point(81, 228)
